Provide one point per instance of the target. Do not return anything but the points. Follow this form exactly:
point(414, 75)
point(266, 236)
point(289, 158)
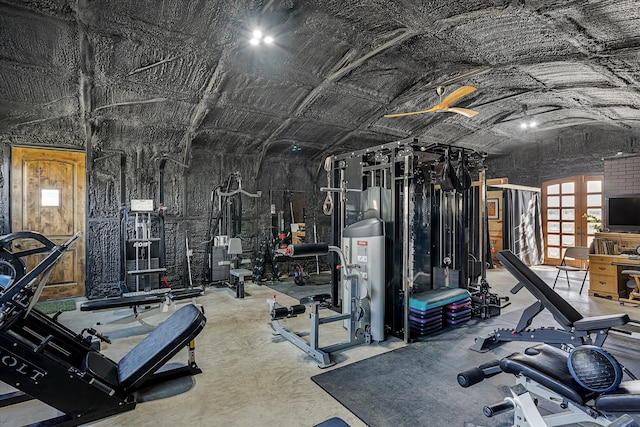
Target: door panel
point(564, 204)
point(48, 196)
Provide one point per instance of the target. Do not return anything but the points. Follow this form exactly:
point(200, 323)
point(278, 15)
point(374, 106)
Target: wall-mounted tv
point(622, 213)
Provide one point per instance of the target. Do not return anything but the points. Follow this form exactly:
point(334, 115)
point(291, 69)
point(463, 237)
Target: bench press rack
point(46, 361)
point(356, 320)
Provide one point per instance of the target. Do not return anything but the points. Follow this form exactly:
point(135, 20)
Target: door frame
point(581, 232)
point(82, 251)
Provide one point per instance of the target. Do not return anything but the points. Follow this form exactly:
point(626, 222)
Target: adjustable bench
point(586, 384)
point(575, 329)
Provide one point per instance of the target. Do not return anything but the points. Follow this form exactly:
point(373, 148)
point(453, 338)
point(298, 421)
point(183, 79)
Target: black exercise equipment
point(46, 361)
point(575, 329)
point(434, 218)
point(226, 222)
point(143, 304)
point(12, 264)
point(267, 255)
point(585, 383)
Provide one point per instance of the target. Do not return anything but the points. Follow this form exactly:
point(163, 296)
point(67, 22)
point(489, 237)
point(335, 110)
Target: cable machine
point(224, 222)
point(433, 217)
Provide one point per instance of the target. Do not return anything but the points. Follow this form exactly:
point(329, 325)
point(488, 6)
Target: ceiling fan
point(444, 103)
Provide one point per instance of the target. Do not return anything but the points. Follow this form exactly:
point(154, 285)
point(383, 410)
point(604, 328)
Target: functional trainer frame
point(425, 195)
point(356, 320)
point(46, 361)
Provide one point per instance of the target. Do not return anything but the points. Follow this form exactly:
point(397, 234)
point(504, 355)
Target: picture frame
point(493, 208)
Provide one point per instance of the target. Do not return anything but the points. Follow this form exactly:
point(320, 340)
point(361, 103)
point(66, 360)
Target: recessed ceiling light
point(257, 34)
point(268, 39)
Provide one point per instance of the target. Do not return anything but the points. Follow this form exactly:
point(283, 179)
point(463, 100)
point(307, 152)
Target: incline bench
point(575, 329)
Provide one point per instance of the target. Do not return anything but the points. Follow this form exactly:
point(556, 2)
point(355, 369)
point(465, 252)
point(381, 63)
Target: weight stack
point(423, 323)
point(457, 313)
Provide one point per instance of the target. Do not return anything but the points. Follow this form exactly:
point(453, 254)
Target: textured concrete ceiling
point(180, 74)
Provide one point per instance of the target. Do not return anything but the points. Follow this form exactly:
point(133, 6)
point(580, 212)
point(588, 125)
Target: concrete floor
point(250, 377)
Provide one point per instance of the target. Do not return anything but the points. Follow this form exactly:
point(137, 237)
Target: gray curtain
point(523, 225)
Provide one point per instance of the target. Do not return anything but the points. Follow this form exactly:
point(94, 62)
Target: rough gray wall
point(563, 156)
point(186, 194)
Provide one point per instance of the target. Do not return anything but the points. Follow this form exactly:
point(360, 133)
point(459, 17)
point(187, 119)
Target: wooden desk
point(605, 275)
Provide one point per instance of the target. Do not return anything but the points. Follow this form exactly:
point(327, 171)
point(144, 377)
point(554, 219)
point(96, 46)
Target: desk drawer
point(602, 282)
point(603, 269)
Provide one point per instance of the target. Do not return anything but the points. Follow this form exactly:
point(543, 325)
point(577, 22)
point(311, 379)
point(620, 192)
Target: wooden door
point(48, 196)
point(564, 204)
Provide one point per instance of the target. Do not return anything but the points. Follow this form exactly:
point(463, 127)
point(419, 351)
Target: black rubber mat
point(416, 385)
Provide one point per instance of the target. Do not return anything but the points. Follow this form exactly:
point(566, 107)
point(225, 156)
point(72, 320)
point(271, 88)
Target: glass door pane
point(572, 211)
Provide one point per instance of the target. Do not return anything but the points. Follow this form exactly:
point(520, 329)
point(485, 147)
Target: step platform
point(424, 314)
point(430, 311)
point(428, 300)
point(457, 313)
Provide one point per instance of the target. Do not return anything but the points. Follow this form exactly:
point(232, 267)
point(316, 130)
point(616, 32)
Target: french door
point(565, 202)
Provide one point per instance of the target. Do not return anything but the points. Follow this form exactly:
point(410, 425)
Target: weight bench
point(46, 361)
point(575, 329)
point(162, 298)
point(585, 384)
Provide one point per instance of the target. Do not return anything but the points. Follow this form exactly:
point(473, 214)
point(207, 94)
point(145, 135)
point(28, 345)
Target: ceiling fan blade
point(458, 93)
point(464, 111)
point(411, 113)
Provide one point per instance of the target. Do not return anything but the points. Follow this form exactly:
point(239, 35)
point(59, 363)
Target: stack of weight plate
point(457, 312)
point(425, 322)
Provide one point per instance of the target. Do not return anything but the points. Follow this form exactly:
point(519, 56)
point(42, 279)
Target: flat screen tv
point(622, 213)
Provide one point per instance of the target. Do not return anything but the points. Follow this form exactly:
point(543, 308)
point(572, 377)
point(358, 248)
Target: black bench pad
point(601, 322)
point(549, 369)
point(160, 346)
point(626, 398)
point(112, 303)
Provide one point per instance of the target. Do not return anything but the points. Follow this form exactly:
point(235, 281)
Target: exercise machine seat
point(151, 353)
point(601, 322)
point(547, 366)
point(160, 345)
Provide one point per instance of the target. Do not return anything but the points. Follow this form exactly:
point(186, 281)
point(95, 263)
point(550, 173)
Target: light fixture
point(257, 37)
point(527, 122)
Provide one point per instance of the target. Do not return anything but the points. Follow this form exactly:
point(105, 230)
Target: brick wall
point(622, 175)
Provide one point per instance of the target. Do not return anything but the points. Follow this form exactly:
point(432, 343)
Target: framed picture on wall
point(493, 208)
